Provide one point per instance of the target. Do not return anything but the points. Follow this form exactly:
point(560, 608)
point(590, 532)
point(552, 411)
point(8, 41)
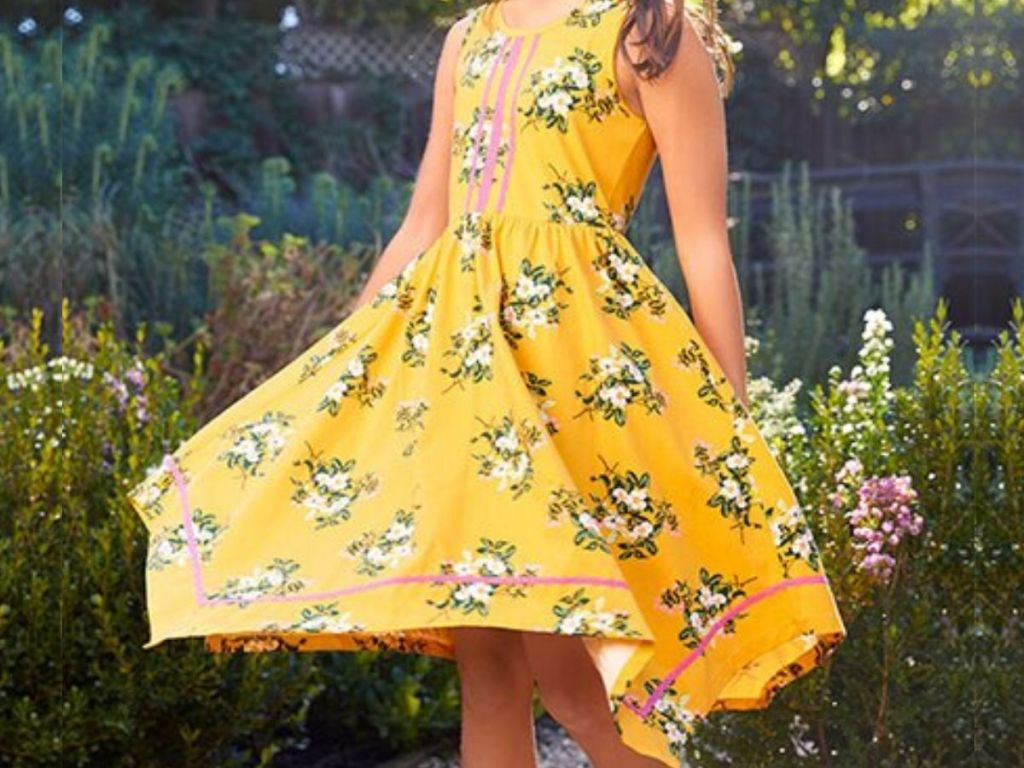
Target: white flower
point(525, 288)
point(356, 367)
point(480, 591)
point(336, 482)
point(397, 532)
point(729, 488)
point(340, 504)
point(584, 207)
point(166, 549)
point(535, 317)
point(618, 395)
point(507, 442)
point(577, 75)
point(402, 550)
point(572, 624)
point(736, 461)
point(709, 599)
point(609, 364)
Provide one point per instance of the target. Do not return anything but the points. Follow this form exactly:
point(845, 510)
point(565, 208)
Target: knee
point(580, 715)
point(494, 677)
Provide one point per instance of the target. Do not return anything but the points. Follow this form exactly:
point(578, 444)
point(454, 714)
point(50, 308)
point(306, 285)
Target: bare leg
point(497, 699)
point(573, 694)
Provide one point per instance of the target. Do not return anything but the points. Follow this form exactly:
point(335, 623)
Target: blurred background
point(192, 191)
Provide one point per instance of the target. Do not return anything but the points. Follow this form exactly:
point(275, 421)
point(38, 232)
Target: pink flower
point(881, 520)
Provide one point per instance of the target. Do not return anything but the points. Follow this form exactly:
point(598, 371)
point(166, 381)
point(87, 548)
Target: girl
point(518, 452)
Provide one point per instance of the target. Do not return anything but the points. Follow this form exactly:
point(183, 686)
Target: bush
point(915, 497)
point(75, 685)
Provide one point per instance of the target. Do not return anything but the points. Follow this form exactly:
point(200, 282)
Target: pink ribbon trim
point(203, 599)
point(716, 627)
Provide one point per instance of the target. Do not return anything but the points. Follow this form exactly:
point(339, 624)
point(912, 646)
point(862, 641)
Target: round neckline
point(537, 29)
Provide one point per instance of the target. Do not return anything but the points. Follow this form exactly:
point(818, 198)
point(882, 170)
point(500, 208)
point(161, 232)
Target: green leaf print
point(577, 201)
point(256, 443)
point(150, 493)
point(575, 616)
point(617, 381)
point(170, 546)
point(469, 142)
point(624, 515)
point(701, 606)
point(734, 484)
point(472, 349)
point(533, 302)
point(538, 388)
point(330, 489)
point(274, 579)
point(341, 339)
point(354, 382)
point(623, 284)
point(794, 540)
point(474, 235)
point(508, 455)
point(492, 558)
point(317, 618)
point(479, 57)
point(569, 84)
point(714, 391)
point(409, 418)
point(670, 716)
point(417, 333)
point(590, 14)
point(376, 551)
point(398, 289)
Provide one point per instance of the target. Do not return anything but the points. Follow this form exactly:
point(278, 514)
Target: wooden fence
point(968, 214)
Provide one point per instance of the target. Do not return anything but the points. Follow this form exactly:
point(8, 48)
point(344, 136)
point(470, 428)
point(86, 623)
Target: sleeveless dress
point(522, 429)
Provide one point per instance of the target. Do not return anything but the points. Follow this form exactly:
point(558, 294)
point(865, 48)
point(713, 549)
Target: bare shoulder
point(460, 27)
point(451, 48)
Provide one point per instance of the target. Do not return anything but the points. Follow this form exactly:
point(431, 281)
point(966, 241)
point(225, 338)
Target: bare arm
point(428, 207)
point(684, 110)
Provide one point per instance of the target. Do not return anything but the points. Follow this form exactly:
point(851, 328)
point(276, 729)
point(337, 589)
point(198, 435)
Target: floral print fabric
point(521, 429)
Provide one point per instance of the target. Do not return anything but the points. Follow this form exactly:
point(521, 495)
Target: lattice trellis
point(313, 53)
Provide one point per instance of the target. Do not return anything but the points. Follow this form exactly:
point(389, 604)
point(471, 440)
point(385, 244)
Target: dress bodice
point(541, 131)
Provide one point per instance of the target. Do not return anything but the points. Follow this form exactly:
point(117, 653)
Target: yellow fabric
point(523, 429)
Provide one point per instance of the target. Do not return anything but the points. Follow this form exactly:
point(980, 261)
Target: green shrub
point(271, 299)
point(803, 300)
point(926, 676)
point(75, 685)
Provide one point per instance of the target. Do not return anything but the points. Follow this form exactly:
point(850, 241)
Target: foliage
point(893, 67)
point(272, 299)
point(92, 193)
point(935, 642)
point(85, 126)
point(80, 428)
point(354, 14)
point(127, 224)
point(324, 208)
point(802, 301)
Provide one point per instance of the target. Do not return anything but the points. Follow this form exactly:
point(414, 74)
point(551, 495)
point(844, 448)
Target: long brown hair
point(659, 35)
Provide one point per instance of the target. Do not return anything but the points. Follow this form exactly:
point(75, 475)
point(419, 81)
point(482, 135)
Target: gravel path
point(554, 749)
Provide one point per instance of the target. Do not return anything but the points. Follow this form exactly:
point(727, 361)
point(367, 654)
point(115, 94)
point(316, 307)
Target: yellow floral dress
point(522, 429)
